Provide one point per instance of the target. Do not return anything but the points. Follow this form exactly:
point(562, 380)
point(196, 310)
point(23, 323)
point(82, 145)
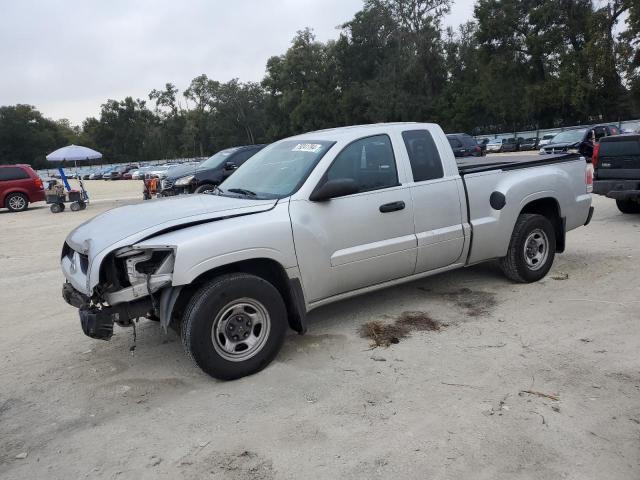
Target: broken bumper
point(97, 322)
point(73, 297)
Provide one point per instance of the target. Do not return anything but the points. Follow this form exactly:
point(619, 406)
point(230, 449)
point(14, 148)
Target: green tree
point(302, 87)
point(27, 137)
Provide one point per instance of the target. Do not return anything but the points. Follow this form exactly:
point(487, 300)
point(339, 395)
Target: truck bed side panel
point(563, 182)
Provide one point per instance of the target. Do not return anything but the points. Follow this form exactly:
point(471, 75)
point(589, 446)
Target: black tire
point(205, 311)
point(628, 206)
point(205, 188)
point(75, 207)
point(17, 202)
point(56, 207)
point(520, 263)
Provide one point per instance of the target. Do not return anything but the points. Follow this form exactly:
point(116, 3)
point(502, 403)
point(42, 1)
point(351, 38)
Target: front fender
point(201, 248)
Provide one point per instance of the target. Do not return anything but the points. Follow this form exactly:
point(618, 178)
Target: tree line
point(518, 65)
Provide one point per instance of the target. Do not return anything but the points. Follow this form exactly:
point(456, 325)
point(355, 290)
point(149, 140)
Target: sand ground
point(438, 405)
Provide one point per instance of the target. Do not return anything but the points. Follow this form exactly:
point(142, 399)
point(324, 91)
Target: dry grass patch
point(384, 334)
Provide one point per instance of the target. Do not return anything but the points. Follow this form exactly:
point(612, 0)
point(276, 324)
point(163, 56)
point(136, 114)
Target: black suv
point(579, 140)
point(210, 173)
point(616, 163)
point(464, 145)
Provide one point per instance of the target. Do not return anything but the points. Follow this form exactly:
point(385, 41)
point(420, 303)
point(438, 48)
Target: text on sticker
point(307, 147)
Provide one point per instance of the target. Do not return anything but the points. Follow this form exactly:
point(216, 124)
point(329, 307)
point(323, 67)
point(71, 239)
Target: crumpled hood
point(149, 218)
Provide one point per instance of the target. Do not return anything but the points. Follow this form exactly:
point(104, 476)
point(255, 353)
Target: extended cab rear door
point(357, 240)
point(437, 201)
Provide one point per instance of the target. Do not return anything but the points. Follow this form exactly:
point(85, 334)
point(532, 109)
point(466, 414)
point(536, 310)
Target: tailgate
point(619, 158)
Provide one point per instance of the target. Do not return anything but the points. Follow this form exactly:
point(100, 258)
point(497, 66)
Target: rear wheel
point(206, 188)
point(234, 325)
point(628, 206)
point(17, 202)
point(531, 251)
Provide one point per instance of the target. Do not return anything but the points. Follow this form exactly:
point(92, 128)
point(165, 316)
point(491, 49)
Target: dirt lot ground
point(536, 381)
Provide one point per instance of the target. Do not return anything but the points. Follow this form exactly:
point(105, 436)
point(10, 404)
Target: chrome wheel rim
point(240, 330)
point(536, 249)
point(17, 202)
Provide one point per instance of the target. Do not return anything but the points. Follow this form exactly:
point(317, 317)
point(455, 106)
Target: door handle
point(392, 207)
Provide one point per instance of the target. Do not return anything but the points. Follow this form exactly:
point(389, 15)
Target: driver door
point(358, 240)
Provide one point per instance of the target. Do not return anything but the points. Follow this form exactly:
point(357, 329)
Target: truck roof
point(355, 131)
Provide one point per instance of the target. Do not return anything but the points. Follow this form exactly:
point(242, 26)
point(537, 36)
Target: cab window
point(369, 162)
point(423, 155)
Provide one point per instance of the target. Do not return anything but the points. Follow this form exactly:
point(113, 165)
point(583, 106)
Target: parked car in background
point(511, 144)
point(616, 163)
point(464, 145)
point(546, 139)
point(530, 143)
point(579, 140)
point(311, 220)
point(482, 143)
point(210, 173)
point(117, 172)
point(98, 174)
point(140, 172)
point(159, 171)
point(20, 185)
point(183, 174)
point(494, 145)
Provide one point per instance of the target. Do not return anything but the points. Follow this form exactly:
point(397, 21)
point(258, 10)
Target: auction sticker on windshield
point(307, 147)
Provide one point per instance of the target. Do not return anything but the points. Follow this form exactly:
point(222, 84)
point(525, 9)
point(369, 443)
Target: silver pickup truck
point(310, 220)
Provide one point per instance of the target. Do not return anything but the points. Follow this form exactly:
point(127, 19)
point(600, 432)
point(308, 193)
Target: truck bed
point(510, 162)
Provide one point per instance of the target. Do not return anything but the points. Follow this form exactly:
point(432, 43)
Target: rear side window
point(600, 132)
point(423, 155)
point(618, 149)
point(369, 161)
point(13, 173)
point(241, 157)
point(453, 141)
point(469, 141)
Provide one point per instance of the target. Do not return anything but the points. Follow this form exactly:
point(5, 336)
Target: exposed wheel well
point(265, 268)
point(548, 207)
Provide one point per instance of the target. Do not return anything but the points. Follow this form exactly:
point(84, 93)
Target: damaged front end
point(130, 279)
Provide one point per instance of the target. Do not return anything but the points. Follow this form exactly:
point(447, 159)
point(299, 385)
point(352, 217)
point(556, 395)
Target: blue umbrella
point(75, 154)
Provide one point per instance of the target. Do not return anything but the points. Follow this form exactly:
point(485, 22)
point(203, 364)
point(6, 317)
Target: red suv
point(19, 186)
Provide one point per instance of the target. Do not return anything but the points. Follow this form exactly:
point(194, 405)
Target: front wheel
point(628, 206)
point(532, 249)
point(206, 188)
point(234, 326)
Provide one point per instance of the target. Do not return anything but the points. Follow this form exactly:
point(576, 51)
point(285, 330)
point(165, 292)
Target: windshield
point(278, 170)
point(218, 159)
point(570, 136)
point(495, 141)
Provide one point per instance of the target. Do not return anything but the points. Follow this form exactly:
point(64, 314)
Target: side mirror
point(334, 188)
point(230, 166)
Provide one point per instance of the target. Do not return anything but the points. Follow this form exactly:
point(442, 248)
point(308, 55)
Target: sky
point(67, 57)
